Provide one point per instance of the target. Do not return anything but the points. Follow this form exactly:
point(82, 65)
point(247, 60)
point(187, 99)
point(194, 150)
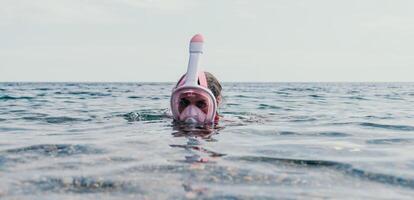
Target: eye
point(184, 102)
point(201, 104)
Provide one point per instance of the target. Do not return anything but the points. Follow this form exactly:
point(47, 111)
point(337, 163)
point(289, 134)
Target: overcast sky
point(246, 40)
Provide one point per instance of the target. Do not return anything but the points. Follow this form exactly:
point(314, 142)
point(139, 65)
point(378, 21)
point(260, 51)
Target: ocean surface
point(275, 141)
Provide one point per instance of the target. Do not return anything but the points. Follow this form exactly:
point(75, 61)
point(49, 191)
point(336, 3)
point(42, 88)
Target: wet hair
point(213, 84)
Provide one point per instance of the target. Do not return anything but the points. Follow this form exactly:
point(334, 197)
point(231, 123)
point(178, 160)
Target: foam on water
point(275, 141)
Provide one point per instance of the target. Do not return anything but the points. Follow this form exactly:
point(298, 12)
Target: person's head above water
point(197, 94)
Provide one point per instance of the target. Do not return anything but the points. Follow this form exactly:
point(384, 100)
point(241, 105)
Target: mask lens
point(201, 104)
point(195, 100)
point(184, 103)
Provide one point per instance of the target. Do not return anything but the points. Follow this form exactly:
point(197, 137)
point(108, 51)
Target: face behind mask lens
point(193, 108)
point(192, 114)
point(199, 103)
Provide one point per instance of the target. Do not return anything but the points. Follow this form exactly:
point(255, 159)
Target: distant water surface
point(275, 141)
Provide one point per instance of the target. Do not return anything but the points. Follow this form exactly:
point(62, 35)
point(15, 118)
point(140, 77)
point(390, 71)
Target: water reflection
point(195, 136)
point(205, 132)
point(198, 157)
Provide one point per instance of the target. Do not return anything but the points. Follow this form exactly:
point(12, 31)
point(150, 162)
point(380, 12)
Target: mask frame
point(179, 91)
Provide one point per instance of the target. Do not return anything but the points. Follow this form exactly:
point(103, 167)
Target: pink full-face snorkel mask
point(191, 100)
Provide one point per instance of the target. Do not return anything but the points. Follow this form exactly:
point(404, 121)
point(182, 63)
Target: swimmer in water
point(197, 95)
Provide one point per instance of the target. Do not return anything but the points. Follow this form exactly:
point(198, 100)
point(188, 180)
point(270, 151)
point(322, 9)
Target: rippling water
point(276, 141)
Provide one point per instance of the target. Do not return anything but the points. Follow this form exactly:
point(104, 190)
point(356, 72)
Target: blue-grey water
point(275, 141)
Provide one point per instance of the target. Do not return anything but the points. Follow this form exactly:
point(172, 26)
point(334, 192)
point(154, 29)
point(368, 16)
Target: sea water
point(274, 141)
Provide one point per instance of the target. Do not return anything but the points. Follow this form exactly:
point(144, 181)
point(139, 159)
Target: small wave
point(282, 93)
point(393, 97)
point(5, 129)
point(345, 168)
point(378, 117)
point(316, 96)
point(135, 97)
point(353, 92)
point(55, 120)
point(81, 185)
point(57, 150)
point(244, 96)
point(232, 104)
point(41, 94)
point(143, 116)
point(300, 89)
point(266, 106)
point(7, 97)
point(89, 93)
point(59, 120)
point(325, 134)
point(248, 119)
point(288, 133)
point(333, 134)
point(43, 89)
point(303, 119)
point(391, 127)
point(357, 98)
point(72, 84)
point(375, 125)
point(237, 113)
point(390, 141)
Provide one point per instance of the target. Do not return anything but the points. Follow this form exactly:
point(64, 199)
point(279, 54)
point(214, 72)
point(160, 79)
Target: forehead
point(193, 96)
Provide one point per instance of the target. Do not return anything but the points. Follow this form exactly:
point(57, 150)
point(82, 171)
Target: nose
point(192, 114)
point(192, 110)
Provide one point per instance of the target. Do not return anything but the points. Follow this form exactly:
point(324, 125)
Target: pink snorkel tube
point(194, 83)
